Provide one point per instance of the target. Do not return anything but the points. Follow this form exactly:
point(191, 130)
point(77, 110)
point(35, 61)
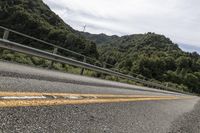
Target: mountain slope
point(152, 56)
point(99, 39)
point(35, 18)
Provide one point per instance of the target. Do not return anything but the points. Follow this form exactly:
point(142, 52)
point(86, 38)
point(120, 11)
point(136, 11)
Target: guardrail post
point(55, 50)
point(167, 84)
point(5, 34)
point(104, 66)
point(82, 69)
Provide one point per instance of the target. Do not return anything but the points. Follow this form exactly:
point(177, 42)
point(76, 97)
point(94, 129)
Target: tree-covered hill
point(35, 18)
point(99, 39)
point(153, 56)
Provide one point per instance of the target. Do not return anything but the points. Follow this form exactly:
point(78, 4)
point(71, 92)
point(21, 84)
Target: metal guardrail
point(55, 50)
point(56, 47)
point(6, 44)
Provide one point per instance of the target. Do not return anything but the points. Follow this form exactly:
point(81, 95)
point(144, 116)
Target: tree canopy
point(34, 18)
point(154, 57)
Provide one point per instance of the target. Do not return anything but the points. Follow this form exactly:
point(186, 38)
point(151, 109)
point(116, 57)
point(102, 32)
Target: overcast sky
point(177, 19)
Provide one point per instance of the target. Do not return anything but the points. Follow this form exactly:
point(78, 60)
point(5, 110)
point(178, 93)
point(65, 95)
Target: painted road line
point(47, 102)
point(22, 99)
point(3, 93)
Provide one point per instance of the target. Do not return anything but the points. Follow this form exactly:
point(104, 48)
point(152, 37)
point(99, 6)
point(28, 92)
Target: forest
point(151, 56)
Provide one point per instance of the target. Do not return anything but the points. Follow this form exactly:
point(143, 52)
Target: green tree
point(184, 62)
point(192, 81)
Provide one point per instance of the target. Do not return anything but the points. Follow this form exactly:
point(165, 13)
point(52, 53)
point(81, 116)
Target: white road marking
point(23, 97)
point(73, 97)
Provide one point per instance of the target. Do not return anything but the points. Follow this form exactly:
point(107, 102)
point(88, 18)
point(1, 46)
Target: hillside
point(99, 39)
point(152, 56)
point(35, 18)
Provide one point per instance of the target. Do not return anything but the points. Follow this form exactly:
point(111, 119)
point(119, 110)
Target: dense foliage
point(34, 18)
point(99, 39)
point(154, 57)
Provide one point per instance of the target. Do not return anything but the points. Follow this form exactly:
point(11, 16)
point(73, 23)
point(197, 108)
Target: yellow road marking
point(23, 103)
point(96, 98)
point(2, 93)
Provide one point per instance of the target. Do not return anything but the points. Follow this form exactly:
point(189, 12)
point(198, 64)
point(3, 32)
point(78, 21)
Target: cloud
point(177, 19)
point(189, 48)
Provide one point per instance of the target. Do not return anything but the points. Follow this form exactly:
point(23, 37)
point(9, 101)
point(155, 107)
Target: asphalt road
point(177, 113)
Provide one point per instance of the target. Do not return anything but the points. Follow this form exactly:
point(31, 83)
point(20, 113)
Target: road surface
point(40, 100)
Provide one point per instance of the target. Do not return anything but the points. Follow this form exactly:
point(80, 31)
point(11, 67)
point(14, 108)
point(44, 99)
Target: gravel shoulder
point(188, 122)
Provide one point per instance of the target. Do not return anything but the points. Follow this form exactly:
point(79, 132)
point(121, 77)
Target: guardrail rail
point(17, 47)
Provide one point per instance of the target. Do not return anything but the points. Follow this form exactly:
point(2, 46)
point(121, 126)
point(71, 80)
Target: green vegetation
point(153, 57)
point(100, 39)
point(150, 56)
point(7, 55)
point(39, 62)
point(34, 18)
